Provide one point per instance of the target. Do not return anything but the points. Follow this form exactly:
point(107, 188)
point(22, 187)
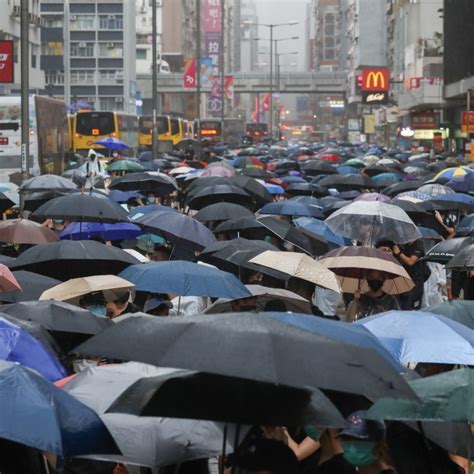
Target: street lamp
point(271, 26)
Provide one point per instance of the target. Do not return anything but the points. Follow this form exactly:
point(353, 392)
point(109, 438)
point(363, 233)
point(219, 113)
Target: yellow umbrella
point(76, 287)
point(298, 265)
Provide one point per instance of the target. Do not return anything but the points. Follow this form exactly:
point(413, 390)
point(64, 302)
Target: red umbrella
point(23, 231)
point(333, 157)
point(7, 280)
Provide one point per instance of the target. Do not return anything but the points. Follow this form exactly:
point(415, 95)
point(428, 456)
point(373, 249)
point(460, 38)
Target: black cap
point(359, 428)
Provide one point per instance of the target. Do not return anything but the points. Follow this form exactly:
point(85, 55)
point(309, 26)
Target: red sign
point(424, 121)
point(417, 82)
point(212, 16)
point(189, 73)
point(467, 120)
point(375, 79)
point(3, 140)
point(6, 62)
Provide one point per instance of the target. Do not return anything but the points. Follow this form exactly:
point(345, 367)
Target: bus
point(49, 135)
point(256, 131)
point(163, 127)
point(92, 126)
point(234, 131)
point(70, 120)
point(211, 130)
point(178, 131)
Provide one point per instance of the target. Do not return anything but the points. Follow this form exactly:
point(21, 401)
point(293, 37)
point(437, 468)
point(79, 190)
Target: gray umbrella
point(144, 441)
point(252, 347)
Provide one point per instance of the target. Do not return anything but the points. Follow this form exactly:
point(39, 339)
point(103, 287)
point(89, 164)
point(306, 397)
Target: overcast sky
point(282, 11)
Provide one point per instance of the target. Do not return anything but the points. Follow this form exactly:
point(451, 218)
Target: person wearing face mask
point(244, 305)
point(363, 444)
point(95, 303)
point(151, 198)
point(373, 301)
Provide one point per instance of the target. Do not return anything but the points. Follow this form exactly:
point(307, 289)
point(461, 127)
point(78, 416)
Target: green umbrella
point(125, 165)
point(444, 397)
point(356, 162)
point(461, 311)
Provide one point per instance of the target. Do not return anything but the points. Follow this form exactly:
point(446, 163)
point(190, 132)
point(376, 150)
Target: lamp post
point(271, 26)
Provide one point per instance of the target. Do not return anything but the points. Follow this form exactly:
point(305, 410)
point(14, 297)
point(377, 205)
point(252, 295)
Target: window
point(141, 53)
point(55, 78)
point(33, 60)
point(82, 77)
point(53, 48)
point(110, 50)
point(110, 22)
point(109, 103)
point(52, 21)
point(81, 22)
point(329, 54)
point(111, 76)
point(82, 50)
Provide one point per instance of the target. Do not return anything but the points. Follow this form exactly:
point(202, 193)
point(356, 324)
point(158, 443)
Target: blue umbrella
point(464, 198)
point(138, 212)
point(274, 188)
point(38, 414)
point(462, 184)
point(419, 336)
point(347, 170)
point(466, 225)
point(293, 179)
point(427, 233)
point(341, 331)
point(123, 196)
point(185, 279)
point(386, 178)
point(111, 143)
point(291, 208)
point(318, 227)
point(16, 345)
point(308, 200)
point(93, 230)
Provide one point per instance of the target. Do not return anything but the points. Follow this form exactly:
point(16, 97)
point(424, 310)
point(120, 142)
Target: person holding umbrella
point(93, 169)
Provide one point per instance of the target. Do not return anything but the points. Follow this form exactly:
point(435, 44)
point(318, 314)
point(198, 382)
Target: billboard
point(6, 62)
point(375, 79)
point(189, 73)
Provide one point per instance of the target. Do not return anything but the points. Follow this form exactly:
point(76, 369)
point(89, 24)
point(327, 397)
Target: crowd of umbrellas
point(256, 256)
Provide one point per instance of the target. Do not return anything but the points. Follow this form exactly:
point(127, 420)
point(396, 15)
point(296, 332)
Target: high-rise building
point(246, 33)
point(88, 52)
point(10, 30)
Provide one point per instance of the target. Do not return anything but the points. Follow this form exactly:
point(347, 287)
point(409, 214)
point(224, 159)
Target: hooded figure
point(93, 169)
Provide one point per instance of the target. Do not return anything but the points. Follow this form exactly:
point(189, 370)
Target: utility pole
point(222, 67)
point(25, 81)
point(154, 81)
point(198, 68)
point(270, 117)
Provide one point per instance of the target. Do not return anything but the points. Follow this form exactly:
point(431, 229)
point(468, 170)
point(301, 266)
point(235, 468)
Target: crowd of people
point(324, 243)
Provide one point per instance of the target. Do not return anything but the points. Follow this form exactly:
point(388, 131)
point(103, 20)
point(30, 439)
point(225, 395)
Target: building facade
point(10, 30)
point(88, 52)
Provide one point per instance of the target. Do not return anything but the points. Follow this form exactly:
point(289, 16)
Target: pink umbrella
point(372, 197)
point(7, 280)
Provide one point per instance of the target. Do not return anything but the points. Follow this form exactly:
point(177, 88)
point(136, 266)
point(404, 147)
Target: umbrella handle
point(224, 443)
point(236, 445)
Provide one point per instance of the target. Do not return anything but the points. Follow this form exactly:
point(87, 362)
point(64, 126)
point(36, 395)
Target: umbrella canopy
point(8, 282)
point(300, 266)
point(418, 336)
point(306, 189)
point(138, 212)
point(32, 286)
point(222, 211)
point(177, 228)
point(160, 184)
point(68, 259)
point(111, 143)
point(292, 208)
point(435, 189)
point(47, 182)
point(22, 231)
point(258, 173)
point(72, 289)
point(313, 168)
point(443, 397)
point(450, 173)
point(222, 171)
point(463, 261)
point(16, 345)
point(81, 207)
point(145, 441)
point(447, 249)
point(372, 197)
point(203, 197)
point(125, 165)
point(398, 188)
point(76, 175)
point(466, 225)
point(347, 182)
point(457, 310)
point(239, 224)
point(319, 228)
point(103, 231)
point(369, 222)
point(355, 265)
point(37, 414)
point(249, 346)
point(263, 295)
point(464, 184)
point(184, 279)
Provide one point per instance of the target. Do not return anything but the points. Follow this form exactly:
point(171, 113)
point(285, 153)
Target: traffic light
point(359, 83)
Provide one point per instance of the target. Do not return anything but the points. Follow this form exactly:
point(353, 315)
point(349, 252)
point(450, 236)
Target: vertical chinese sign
point(6, 62)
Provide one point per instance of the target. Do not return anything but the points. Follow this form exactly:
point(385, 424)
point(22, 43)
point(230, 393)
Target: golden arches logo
point(375, 80)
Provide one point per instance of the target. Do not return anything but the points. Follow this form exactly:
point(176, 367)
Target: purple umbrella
point(91, 230)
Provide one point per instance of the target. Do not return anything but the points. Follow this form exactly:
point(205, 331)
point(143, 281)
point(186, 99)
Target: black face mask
point(375, 285)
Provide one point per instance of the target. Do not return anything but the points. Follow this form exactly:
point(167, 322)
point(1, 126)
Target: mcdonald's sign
point(375, 79)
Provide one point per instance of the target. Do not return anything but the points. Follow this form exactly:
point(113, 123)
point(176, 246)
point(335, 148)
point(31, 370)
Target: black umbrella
point(81, 208)
point(76, 176)
point(47, 182)
point(6, 260)
point(348, 182)
point(313, 168)
point(464, 260)
point(222, 211)
point(258, 173)
point(447, 249)
point(32, 286)
point(68, 324)
point(306, 189)
point(247, 227)
point(287, 232)
point(249, 346)
point(159, 184)
point(68, 259)
point(401, 187)
point(218, 193)
point(5, 203)
point(227, 399)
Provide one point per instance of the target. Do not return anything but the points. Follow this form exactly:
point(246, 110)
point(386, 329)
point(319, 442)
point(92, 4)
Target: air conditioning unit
point(118, 99)
point(82, 44)
point(31, 18)
point(72, 17)
point(16, 11)
point(111, 17)
point(119, 74)
point(110, 45)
